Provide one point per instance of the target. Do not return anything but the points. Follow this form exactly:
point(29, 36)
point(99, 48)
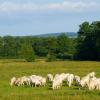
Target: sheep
point(13, 80)
point(70, 79)
point(58, 80)
point(89, 81)
point(91, 75)
point(84, 81)
point(32, 82)
point(77, 79)
point(38, 80)
point(56, 84)
point(43, 81)
point(50, 77)
point(18, 82)
point(98, 84)
point(35, 82)
point(25, 80)
point(63, 76)
point(92, 83)
point(56, 76)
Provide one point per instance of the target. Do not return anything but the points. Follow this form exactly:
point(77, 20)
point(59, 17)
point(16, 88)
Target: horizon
point(39, 34)
point(36, 17)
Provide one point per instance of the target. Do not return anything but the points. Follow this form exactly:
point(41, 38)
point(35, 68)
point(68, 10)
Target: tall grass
point(10, 68)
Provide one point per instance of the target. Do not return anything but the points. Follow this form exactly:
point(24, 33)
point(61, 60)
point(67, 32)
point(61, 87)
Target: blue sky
point(31, 17)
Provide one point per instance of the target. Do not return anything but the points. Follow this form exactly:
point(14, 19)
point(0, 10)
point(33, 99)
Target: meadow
point(10, 68)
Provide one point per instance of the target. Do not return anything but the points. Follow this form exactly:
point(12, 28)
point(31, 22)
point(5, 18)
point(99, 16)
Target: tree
point(88, 41)
point(63, 43)
point(65, 47)
point(40, 47)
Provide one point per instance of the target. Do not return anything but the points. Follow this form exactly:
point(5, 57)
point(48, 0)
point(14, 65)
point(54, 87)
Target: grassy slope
point(11, 68)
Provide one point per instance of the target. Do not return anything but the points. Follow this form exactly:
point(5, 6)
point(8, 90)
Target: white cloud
point(66, 6)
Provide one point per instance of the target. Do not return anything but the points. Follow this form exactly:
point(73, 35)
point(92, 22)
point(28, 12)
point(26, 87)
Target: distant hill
point(70, 34)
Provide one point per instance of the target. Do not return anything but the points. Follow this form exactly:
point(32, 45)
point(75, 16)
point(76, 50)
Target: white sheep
point(50, 77)
point(35, 82)
point(58, 80)
point(43, 81)
point(84, 81)
point(57, 83)
point(98, 84)
point(70, 79)
point(25, 80)
point(77, 79)
point(13, 80)
point(56, 76)
point(89, 81)
point(92, 83)
point(91, 75)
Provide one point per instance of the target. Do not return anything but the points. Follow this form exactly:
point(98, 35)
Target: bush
point(65, 56)
point(51, 58)
point(30, 58)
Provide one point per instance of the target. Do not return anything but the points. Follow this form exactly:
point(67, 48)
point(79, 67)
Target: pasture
point(18, 68)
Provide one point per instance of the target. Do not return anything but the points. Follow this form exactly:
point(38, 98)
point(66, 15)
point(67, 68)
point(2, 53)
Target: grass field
point(10, 68)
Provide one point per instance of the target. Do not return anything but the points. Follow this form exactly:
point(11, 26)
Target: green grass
point(10, 68)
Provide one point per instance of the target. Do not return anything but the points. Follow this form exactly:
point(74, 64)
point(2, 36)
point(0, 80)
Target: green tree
point(88, 41)
point(65, 47)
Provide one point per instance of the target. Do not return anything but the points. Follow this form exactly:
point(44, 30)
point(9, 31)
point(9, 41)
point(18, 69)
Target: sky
point(32, 17)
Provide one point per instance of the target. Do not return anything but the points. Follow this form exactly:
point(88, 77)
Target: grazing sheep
point(25, 80)
point(35, 82)
point(58, 80)
point(92, 83)
point(89, 81)
point(43, 81)
point(50, 77)
point(13, 80)
point(18, 82)
point(98, 84)
point(57, 84)
point(77, 79)
point(56, 76)
point(70, 79)
point(84, 81)
point(92, 74)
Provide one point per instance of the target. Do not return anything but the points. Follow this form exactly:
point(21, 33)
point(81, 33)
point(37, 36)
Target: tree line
point(27, 46)
point(85, 47)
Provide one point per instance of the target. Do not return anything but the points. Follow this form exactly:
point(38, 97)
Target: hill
point(70, 34)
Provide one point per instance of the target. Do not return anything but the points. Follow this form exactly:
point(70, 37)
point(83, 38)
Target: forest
point(86, 46)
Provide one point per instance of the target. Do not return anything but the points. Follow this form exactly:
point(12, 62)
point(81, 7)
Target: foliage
point(51, 57)
point(65, 56)
point(63, 43)
point(88, 41)
point(25, 46)
point(85, 47)
point(30, 58)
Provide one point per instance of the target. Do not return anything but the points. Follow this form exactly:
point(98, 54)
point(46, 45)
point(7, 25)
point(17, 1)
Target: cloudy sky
point(29, 17)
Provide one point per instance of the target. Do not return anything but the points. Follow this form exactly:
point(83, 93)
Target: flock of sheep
point(89, 81)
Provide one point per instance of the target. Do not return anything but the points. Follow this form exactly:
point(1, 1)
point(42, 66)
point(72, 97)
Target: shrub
point(30, 58)
point(51, 57)
point(65, 56)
